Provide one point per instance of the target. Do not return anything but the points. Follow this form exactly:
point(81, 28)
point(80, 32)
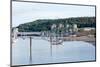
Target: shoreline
point(89, 39)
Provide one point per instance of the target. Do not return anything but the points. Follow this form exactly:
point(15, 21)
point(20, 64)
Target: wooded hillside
point(45, 24)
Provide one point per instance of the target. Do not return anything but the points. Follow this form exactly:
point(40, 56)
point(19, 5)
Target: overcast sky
point(23, 12)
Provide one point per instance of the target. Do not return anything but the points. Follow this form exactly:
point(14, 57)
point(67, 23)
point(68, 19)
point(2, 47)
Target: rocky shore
point(89, 39)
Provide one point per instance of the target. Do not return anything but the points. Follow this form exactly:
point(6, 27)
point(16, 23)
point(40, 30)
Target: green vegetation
point(45, 24)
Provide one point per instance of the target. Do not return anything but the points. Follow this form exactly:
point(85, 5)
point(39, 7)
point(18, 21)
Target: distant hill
point(45, 24)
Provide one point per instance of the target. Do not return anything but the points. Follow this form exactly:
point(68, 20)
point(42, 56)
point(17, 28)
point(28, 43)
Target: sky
point(23, 12)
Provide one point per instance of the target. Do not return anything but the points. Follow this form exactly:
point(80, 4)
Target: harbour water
point(43, 52)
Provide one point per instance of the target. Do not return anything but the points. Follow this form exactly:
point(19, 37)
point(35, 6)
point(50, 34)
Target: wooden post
point(50, 45)
point(30, 49)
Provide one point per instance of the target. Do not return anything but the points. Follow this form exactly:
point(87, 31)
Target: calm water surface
point(43, 52)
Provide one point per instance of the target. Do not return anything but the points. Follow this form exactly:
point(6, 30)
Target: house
point(88, 29)
point(14, 33)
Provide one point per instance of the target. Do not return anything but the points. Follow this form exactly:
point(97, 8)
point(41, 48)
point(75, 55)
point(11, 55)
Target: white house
point(15, 32)
point(88, 29)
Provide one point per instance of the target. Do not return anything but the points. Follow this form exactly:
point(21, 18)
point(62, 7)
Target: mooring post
point(30, 49)
point(50, 45)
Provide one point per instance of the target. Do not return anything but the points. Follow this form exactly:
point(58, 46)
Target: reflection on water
point(41, 52)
